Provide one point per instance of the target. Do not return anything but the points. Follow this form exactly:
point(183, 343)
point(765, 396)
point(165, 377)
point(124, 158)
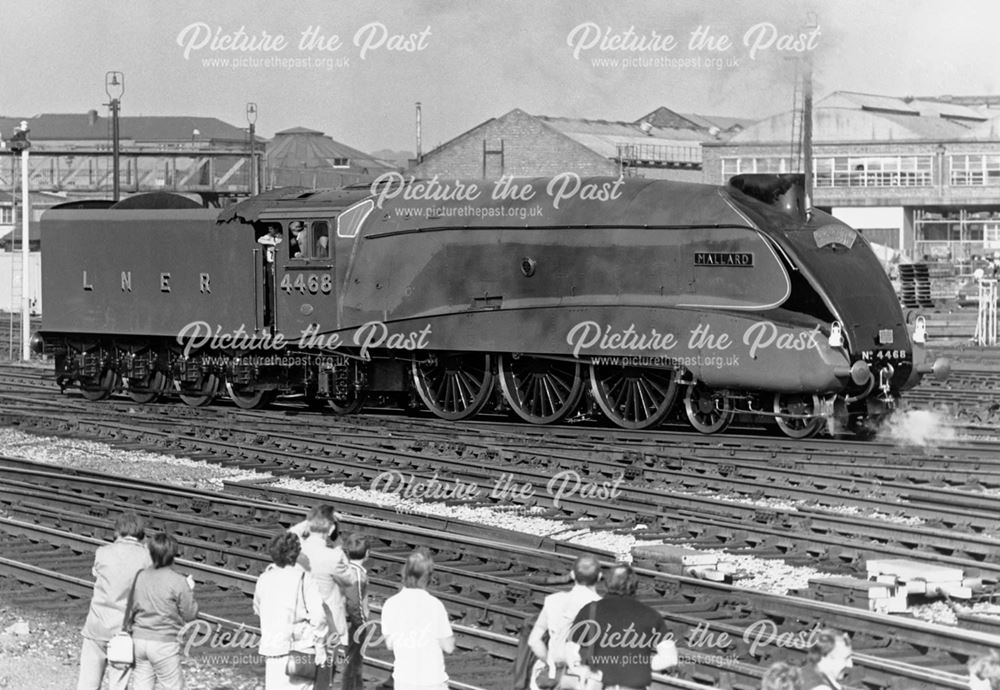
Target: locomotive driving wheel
point(796, 414)
point(453, 385)
point(633, 397)
point(708, 411)
point(539, 390)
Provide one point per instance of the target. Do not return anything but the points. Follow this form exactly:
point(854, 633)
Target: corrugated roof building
point(308, 158)
point(917, 174)
point(660, 145)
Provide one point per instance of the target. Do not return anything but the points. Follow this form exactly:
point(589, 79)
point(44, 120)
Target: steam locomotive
point(543, 297)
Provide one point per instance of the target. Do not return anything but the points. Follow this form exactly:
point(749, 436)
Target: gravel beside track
point(767, 575)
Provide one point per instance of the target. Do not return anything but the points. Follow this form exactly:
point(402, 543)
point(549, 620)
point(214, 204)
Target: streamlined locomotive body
point(548, 297)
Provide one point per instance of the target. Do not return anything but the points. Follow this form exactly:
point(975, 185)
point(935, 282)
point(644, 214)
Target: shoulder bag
point(300, 664)
point(121, 649)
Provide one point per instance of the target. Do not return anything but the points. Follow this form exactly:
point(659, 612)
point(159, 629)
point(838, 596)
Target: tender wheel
point(633, 397)
point(453, 386)
point(539, 390)
point(100, 389)
point(349, 405)
point(248, 399)
point(149, 389)
point(201, 394)
point(797, 404)
point(708, 411)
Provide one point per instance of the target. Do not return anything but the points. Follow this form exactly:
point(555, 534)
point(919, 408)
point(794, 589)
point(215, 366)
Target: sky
point(355, 70)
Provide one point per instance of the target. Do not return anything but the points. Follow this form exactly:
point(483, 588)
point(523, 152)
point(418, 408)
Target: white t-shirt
point(414, 621)
point(557, 617)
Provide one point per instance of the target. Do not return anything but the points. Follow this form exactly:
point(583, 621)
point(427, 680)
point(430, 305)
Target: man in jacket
point(625, 640)
point(115, 568)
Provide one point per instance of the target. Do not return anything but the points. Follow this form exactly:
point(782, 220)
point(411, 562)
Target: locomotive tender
point(547, 297)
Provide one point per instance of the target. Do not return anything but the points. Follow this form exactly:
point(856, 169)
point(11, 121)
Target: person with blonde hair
point(323, 557)
point(829, 659)
point(781, 676)
point(984, 672)
point(416, 628)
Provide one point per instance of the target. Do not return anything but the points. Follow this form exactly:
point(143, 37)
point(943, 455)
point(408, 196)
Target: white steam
point(918, 428)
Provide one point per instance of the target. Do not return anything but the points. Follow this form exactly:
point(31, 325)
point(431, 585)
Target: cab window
point(298, 240)
point(320, 236)
point(349, 222)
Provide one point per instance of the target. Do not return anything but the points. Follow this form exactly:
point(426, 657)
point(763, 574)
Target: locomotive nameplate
point(734, 259)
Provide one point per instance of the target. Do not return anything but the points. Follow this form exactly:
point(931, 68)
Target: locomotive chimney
point(785, 192)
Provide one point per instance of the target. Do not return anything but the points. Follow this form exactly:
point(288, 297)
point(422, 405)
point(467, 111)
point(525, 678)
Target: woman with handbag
point(163, 602)
point(293, 625)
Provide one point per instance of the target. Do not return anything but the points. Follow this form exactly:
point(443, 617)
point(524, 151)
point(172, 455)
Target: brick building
point(662, 144)
point(917, 174)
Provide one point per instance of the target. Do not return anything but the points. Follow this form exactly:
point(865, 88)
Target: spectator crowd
point(312, 602)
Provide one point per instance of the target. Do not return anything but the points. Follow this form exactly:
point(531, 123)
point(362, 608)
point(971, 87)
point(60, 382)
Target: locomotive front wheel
point(453, 386)
point(149, 389)
point(540, 391)
point(203, 394)
point(789, 408)
point(632, 397)
point(249, 399)
point(707, 411)
point(102, 388)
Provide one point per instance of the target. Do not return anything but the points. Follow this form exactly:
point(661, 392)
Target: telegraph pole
point(807, 130)
point(807, 123)
point(20, 145)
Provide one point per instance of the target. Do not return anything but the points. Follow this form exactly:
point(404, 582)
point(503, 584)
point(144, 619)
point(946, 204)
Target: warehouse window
point(773, 165)
point(975, 169)
point(873, 171)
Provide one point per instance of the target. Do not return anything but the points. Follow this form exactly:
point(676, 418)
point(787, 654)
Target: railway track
point(672, 496)
point(488, 591)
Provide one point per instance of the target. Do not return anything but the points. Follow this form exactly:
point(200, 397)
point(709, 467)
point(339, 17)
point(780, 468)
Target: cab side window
point(298, 240)
point(321, 239)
